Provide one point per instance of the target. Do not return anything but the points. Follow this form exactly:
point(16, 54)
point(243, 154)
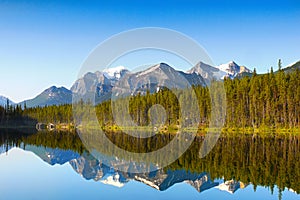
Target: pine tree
point(279, 64)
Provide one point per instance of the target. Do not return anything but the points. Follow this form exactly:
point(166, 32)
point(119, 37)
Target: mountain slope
point(115, 72)
point(101, 85)
point(91, 168)
point(53, 156)
point(230, 69)
point(231, 186)
point(208, 72)
point(3, 101)
point(292, 67)
point(93, 84)
point(158, 76)
point(50, 96)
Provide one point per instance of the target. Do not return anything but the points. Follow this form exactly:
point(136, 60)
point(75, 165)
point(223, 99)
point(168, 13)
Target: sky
point(44, 43)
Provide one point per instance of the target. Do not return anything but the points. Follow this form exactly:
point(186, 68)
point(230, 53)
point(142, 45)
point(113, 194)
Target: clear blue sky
point(44, 43)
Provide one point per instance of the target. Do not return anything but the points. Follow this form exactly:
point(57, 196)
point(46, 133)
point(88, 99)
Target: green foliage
point(54, 114)
point(265, 161)
point(270, 100)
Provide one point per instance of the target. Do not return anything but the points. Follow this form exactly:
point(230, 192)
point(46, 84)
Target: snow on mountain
point(100, 86)
point(147, 182)
point(232, 69)
point(151, 69)
point(152, 79)
point(113, 180)
point(231, 186)
point(208, 72)
point(115, 72)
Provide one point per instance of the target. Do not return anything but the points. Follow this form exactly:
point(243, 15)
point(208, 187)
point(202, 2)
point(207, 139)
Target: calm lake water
point(56, 165)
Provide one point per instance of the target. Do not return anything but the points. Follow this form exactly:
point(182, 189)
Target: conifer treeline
point(271, 100)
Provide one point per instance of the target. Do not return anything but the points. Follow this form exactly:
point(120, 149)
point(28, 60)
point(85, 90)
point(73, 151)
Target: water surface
point(56, 165)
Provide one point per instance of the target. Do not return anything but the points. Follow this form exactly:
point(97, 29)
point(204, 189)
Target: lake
point(57, 165)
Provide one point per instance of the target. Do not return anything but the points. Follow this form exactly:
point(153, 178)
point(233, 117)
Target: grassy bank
point(173, 129)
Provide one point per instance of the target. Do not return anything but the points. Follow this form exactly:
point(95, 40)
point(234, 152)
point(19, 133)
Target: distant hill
point(50, 96)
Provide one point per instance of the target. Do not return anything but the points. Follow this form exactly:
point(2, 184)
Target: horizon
point(44, 43)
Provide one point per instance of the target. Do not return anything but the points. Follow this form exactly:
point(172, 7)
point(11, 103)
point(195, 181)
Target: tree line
point(267, 100)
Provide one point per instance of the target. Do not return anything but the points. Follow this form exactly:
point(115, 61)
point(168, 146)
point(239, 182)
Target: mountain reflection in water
point(234, 163)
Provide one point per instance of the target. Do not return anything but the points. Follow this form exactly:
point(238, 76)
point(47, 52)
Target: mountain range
point(120, 81)
point(92, 169)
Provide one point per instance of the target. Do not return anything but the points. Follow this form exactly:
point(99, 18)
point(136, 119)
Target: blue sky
point(44, 43)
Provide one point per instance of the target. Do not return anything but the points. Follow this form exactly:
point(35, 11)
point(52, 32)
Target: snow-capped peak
point(113, 180)
point(232, 69)
point(230, 186)
point(114, 72)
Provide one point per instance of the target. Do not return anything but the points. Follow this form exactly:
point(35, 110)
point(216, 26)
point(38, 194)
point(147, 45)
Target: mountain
point(119, 81)
point(233, 70)
point(99, 82)
point(208, 72)
point(231, 186)
point(50, 96)
point(3, 101)
point(93, 83)
point(115, 72)
point(164, 180)
point(113, 180)
point(230, 69)
point(91, 168)
point(53, 156)
point(156, 77)
point(292, 67)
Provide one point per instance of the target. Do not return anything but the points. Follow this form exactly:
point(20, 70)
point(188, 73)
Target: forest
point(267, 100)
